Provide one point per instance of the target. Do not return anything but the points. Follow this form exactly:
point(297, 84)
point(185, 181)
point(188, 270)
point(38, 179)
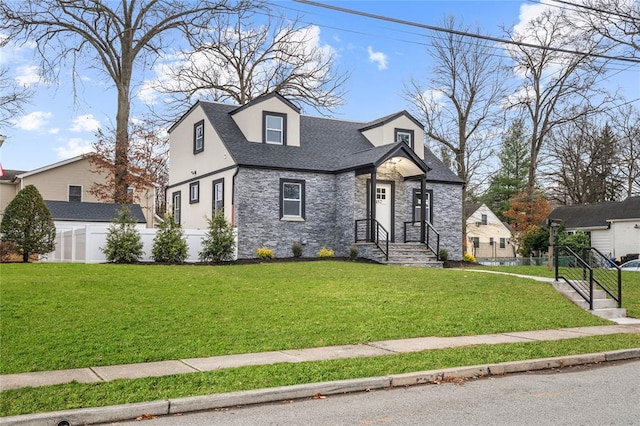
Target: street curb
point(125, 412)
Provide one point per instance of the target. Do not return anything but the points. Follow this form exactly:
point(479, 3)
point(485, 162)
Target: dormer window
point(406, 136)
point(275, 127)
point(198, 137)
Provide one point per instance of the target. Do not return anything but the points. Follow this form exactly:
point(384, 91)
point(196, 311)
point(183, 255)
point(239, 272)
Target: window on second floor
point(483, 219)
point(194, 192)
point(75, 193)
point(198, 137)
point(275, 128)
point(405, 136)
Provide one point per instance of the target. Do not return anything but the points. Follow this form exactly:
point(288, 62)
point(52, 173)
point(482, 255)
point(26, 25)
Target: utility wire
point(462, 33)
point(591, 8)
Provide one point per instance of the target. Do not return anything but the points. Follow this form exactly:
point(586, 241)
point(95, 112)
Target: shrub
point(325, 252)
point(443, 254)
point(468, 257)
point(265, 253)
point(219, 243)
point(123, 239)
point(169, 244)
point(8, 251)
point(27, 223)
point(296, 249)
point(353, 253)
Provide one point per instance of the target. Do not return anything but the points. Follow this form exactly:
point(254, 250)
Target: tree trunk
point(25, 256)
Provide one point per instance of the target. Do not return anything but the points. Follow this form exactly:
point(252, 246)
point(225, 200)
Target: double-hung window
point(75, 192)
point(406, 136)
point(218, 195)
point(194, 192)
point(417, 206)
point(175, 199)
point(503, 242)
point(275, 127)
point(198, 137)
point(292, 199)
point(483, 219)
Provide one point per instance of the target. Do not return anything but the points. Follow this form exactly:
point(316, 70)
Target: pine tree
point(219, 243)
point(124, 244)
point(512, 176)
point(27, 223)
point(169, 244)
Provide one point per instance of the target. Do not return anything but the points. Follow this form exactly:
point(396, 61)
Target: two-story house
point(487, 236)
point(283, 178)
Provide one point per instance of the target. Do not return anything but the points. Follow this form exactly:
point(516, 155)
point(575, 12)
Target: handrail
point(380, 237)
point(607, 275)
point(575, 274)
point(430, 235)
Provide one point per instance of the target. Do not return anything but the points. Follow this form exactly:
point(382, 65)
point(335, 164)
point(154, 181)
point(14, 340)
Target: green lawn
point(57, 316)
point(630, 284)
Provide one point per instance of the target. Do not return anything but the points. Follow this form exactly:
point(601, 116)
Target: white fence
point(84, 245)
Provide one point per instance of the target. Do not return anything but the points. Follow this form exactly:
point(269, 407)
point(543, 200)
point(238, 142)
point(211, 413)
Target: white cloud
point(73, 148)
point(33, 121)
point(54, 130)
point(85, 123)
point(27, 75)
point(378, 58)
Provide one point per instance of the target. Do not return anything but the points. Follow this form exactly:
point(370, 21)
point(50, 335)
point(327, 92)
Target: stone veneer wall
point(328, 220)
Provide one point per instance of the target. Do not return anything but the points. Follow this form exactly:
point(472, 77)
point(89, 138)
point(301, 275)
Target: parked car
point(632, 265)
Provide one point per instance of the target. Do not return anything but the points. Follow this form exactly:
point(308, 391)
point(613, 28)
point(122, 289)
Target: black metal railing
point(413, 234)
point(606, 274)
point(592, 269)
point(378, 235)
point(574, 271)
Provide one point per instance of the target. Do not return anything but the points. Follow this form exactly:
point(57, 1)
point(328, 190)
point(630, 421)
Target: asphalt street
point(586, 395)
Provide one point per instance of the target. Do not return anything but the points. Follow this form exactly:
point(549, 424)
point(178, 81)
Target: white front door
point(384, 198)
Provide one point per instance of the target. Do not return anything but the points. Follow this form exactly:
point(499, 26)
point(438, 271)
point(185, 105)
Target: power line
point(461, 33)
point(591, 8)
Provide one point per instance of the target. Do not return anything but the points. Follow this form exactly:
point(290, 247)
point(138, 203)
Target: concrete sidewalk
point(389, 347)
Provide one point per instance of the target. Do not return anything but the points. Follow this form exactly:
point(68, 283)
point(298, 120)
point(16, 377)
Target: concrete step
point(597, 303)
point(610, 313)
point(603, 306)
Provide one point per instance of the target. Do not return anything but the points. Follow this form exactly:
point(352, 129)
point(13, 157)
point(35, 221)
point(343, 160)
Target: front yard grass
point(630, 283)
point(59, 316)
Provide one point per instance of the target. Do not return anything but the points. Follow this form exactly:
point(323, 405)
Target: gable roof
point(326, 145)
point(50, 166)
point(597, 215)
point(10, 175)
point(91, 212)
point(388, 118)
point(264, 98)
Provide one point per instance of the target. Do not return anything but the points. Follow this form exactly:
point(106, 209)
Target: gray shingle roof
point(10, 175)
point(326, 145)
point(591, 215)
point(90, 212)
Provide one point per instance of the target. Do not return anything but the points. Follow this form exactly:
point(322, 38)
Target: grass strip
point(77, 395)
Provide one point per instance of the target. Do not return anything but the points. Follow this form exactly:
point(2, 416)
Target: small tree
point(576, 241)
point(169, 244)
point(219, 243)
point(123, 239)
point(28, 224)
point(534, 241)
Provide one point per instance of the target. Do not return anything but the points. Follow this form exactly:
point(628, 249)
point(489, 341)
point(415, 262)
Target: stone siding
point(257, 213)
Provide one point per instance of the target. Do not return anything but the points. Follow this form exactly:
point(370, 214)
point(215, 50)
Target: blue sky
point(380, 56)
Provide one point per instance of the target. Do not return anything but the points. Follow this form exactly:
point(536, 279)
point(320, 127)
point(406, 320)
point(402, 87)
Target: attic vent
point(478, 223)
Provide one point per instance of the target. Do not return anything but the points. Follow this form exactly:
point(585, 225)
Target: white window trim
point(69, 192)
point(273, 129)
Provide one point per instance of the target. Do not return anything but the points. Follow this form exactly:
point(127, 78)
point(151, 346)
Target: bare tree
point(553, 82)
point(13, 97)
point(459, 103)
point(584, 156)
point(627, 124)
point(148, 162)
point(113, 37)
point(615, 22)
point(239, 60)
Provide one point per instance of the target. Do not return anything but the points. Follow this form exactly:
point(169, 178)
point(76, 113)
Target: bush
point(443, 255)
point(8, 251)
point(353, 253)
point(265, 253)
point(468, 257)
point(123, 239)
point(27, 223)
point(219, 243)
point(169, 244)
point(296, 249)
point(325, 252)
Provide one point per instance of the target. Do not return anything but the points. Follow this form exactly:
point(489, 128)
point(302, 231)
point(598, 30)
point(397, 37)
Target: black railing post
point(590, 289)
point(555, 259)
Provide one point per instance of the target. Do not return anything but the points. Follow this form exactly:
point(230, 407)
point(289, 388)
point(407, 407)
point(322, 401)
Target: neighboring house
point(613, 228)
point(70, 181)
point(283, 178)
point(73, 214)
point(487, 236)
